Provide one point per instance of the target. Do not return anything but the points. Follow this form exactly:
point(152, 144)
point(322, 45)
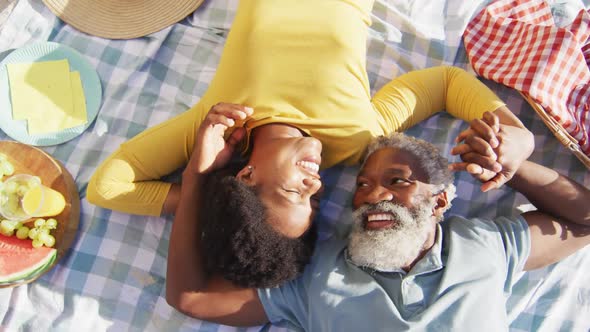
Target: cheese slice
point(47, 95)
point(79, 115)
point(49, 123)
point(40, 87)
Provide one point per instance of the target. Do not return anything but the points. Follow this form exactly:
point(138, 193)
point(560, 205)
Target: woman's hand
point(211, 150)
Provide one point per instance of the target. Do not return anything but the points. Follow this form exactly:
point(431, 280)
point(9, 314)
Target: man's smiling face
point(392, 175)
point(394, 211)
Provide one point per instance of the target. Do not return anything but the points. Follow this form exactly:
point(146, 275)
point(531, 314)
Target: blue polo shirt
point(461, 284)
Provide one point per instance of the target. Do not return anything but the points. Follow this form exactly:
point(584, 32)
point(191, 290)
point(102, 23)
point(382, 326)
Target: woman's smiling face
point(284, 169)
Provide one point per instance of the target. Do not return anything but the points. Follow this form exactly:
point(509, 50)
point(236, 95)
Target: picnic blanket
point(113, 277)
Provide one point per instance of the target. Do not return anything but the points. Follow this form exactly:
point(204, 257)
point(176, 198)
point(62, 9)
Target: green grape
point(22, 232)
point(42, 230)
point(51, 223)
point(37, 243)
point(42, 237)
point(7, 226)
point(6, 231)
point(33, 233)
point(7, 168)
point(39, 223)
point(49, 241)
point(8, 223)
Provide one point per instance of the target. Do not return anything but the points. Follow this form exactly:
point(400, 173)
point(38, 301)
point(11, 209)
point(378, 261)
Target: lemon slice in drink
point(41, 201)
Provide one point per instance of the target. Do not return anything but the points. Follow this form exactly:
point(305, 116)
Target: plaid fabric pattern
point(517, 43)
point(113, 277)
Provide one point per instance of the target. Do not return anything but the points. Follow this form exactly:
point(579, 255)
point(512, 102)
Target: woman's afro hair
point(238, 242)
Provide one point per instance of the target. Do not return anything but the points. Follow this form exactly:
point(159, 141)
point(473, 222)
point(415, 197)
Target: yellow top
point(302, 63)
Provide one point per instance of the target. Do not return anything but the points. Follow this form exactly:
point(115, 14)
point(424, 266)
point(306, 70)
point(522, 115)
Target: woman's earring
point(250, 168)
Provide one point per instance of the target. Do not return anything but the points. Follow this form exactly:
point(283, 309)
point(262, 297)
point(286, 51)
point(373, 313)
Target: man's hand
point(211, 150)
point(492, 152)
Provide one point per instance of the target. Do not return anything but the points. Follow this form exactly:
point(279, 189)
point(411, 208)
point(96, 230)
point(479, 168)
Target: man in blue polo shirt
point(402, 266)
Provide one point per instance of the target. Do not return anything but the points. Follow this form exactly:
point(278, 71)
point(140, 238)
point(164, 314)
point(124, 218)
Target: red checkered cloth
point(516, 43)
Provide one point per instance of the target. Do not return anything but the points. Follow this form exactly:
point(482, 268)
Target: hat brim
point(116, 19)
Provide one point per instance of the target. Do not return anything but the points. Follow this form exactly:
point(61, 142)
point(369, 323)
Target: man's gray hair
point(428, 156)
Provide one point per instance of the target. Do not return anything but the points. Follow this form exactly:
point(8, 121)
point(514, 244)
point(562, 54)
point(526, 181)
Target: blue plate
point(48, 51)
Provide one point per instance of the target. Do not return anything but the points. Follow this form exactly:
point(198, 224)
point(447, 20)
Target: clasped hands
point(492, 152)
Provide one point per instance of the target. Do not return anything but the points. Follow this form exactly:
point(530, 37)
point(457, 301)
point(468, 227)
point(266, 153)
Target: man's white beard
point(391, 248)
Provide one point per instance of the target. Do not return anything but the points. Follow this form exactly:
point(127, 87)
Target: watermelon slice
point(19, 260)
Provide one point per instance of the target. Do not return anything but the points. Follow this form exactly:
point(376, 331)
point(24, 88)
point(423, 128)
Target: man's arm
point(561, 225)
point(188, 288)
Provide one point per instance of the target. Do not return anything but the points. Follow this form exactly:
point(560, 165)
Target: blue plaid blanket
point(113, 276)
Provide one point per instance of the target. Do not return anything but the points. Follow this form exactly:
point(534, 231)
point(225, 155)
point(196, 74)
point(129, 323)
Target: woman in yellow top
point(300, 66)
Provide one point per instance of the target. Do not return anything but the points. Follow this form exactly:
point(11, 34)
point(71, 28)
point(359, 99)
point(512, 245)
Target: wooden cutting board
point(30, 160)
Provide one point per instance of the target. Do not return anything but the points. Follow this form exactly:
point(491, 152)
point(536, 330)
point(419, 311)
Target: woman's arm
point(171, 202)
point(130, 179)
point(188, 288)
point(417, 95)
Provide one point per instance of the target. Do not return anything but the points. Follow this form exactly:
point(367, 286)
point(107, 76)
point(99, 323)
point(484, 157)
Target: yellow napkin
point(47, 95)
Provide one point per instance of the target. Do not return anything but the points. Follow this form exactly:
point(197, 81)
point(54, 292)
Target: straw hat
point(121, 19)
